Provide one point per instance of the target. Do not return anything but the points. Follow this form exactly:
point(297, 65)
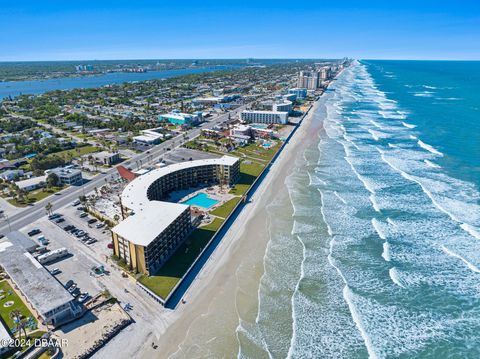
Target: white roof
point(266, 112)
point(177, 115)
point(146, 224)
point(152, 217)
point(147, 138)
point(242, 128)
point(31, 181)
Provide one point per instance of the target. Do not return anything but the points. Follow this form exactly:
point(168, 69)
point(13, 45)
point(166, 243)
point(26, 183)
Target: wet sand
point(206, 324)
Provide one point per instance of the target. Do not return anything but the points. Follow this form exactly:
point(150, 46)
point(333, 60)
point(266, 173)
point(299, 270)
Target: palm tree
point(48, 208)
point(83, 200)
point(16, 316)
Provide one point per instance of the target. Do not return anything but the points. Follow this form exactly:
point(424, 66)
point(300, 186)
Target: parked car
point(43, 240)
point(80, 233)
point(76, 292)
point(54, 216)
point(83, 297)
point(76, 203)
point(55, 271)
point(100, 225)
point(72, 288)
point(69, 283)
point(92, 220)
point(60, 220)
point(83, 215)
point(91, 241)
point(34, 232)
point(68, 227)
point(81, 208)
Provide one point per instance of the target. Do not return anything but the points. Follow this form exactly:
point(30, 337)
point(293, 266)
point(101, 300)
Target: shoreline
point(249, 228)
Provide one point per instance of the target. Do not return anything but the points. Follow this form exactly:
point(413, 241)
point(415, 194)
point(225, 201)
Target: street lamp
point(3, 215)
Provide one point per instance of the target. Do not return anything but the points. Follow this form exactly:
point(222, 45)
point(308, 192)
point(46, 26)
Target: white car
point(55, 271)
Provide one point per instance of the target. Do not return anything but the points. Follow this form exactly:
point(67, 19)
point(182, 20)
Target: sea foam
point(429, 148)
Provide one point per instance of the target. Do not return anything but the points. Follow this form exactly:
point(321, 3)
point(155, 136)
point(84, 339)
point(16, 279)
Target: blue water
point(35, 87)
point(201, 200)
point(381, 255)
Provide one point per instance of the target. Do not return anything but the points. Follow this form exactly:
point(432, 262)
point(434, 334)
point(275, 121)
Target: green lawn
point(35, 196)
point(173, 270)
point(255, 151)
point(18, 304)
point(169, 275)
point(75, 152)
point(225, 209)
point(248, 173)
point(252, 169)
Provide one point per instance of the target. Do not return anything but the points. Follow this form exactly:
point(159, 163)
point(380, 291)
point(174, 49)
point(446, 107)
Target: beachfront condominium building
point(309, 80)
point(278, 104)
point(282, 105)
point(325, 73)
point(178, 118)
point(154, 228)
point(299, 93)
point(267, 117)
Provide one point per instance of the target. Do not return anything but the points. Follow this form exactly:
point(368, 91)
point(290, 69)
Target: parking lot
point(83, 258)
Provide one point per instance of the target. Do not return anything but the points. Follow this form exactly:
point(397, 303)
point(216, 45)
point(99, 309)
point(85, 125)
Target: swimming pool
point(259, 125)
point(201, 200)
point(267, 145)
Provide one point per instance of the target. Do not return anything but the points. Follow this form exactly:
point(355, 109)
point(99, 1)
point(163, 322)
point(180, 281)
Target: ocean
point(381, 255)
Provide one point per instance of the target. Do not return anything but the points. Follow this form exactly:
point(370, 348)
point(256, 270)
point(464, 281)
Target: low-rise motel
point(153, 229)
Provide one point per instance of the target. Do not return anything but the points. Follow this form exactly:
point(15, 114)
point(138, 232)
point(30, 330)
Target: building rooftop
point(266, 112)
point(152, 217)
point(145, 225)
point(61, 171)
point(34, 281)
point(104, 154)
point(31, 181)
point(20, 240)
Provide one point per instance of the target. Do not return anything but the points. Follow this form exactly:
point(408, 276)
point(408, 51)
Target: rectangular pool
point(201, 200)
point(259, 125)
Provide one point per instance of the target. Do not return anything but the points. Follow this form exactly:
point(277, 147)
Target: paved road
point(62, 198)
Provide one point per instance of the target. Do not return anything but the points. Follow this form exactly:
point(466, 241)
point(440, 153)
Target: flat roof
point(152, 217)
point(266, 112)
point(147, 137)
point(145, 225)
point(104, 154)
point(62, 171)
point(31, 181)
point(19, 239)
point(35, 282)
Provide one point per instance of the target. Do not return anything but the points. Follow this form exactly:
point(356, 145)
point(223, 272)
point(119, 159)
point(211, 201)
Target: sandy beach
point(226, 289)
point(216, 286)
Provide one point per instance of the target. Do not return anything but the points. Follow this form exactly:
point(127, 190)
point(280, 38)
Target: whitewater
point(381, 256)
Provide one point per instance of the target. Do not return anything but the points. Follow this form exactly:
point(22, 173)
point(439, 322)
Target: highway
point(70, 194)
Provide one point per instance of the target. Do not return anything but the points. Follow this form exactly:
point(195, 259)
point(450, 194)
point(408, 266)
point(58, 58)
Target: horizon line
point(238, 58)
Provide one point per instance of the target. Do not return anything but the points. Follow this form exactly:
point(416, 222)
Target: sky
point(105, 29)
